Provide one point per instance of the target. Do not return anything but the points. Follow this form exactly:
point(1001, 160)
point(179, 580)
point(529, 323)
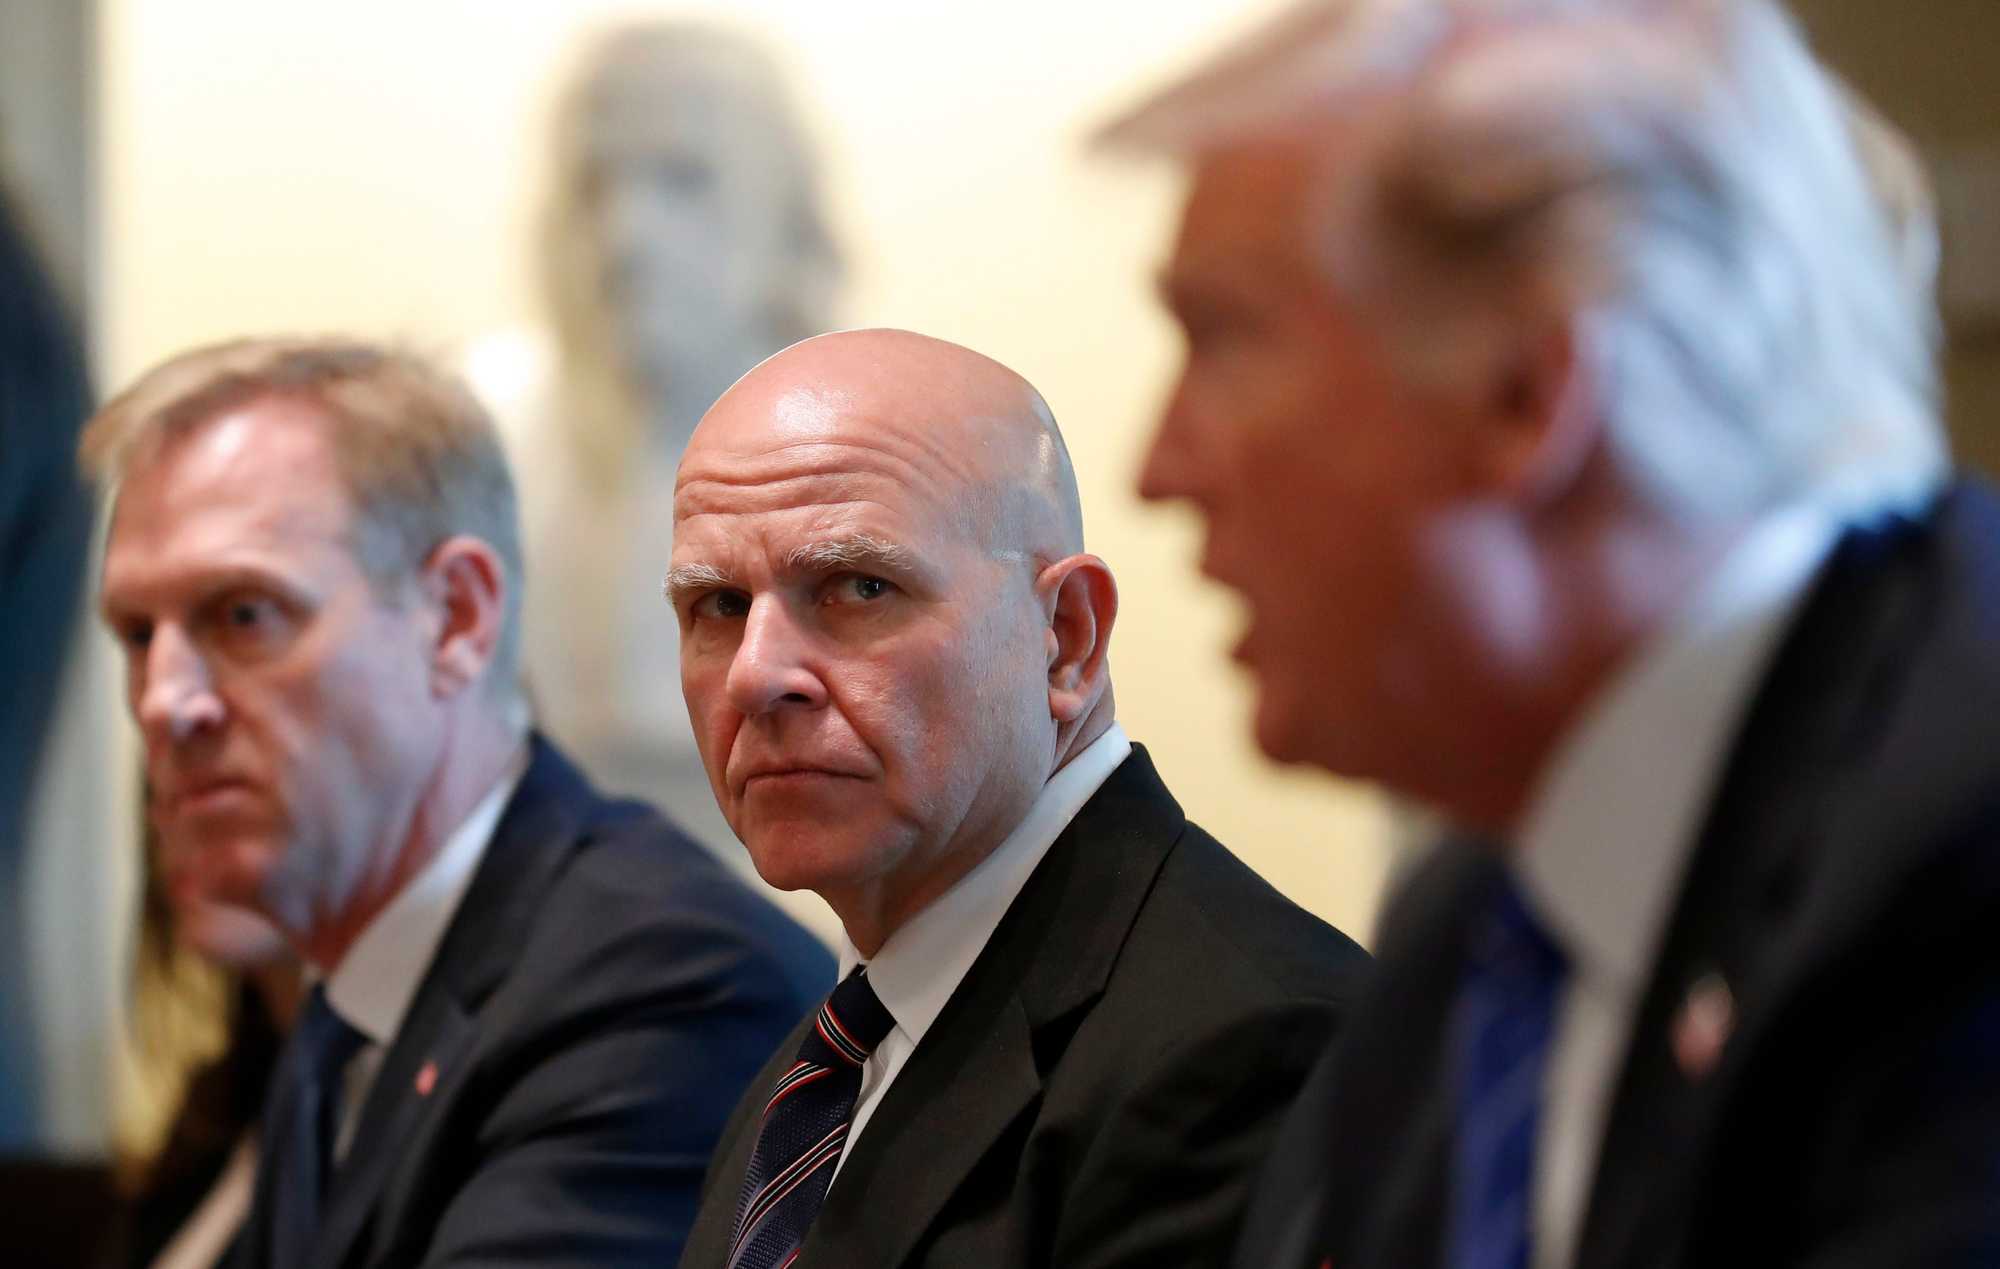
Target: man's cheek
point(716, 734)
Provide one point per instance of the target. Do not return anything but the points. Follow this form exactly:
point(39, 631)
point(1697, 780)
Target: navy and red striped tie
point(805, 1128)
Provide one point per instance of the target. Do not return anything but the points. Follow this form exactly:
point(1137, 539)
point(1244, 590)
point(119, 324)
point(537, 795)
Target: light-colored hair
point(1746, 252)
point(418, 455)
point(601, 406)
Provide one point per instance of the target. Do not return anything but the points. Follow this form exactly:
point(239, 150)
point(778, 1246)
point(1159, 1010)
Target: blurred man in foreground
point(1080, 1017)
point(1557, 399)
point(532, 1005)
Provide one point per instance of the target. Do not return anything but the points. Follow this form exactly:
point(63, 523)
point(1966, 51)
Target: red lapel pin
point(1703, 1025)
point(427, 1079)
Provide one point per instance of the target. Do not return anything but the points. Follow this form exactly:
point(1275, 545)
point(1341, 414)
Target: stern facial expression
point(284, 706)
point(864, 669)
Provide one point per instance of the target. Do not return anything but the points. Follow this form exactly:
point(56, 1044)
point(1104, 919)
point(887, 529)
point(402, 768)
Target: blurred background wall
point(207, 167)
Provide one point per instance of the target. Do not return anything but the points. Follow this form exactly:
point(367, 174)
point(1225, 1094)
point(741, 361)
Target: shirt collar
point(920, 965)
point(378, 977)
point(1614, 819)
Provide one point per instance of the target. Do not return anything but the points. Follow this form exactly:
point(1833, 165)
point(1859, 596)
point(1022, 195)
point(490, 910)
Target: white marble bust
point(682, 241)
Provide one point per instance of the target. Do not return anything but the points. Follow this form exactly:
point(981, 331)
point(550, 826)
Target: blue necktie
point(1501, 1029)
point(300, 1120)
point(805, 1127)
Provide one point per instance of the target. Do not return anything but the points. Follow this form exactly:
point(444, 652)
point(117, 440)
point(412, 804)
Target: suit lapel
point(981, 1064)
point(423, 1068)
point(1306, 1200)
point(437, 1038)
point(931, 1129)
point(708, 1240)
point(1781, 802)
point(1389, 1132)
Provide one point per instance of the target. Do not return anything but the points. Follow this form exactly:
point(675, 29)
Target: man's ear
point(1535, 418)
point(466, 584)
point(1081, 602)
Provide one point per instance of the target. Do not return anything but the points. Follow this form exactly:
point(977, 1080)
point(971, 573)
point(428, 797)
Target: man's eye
point(722, 605)
point(251, 623)
point(857, 588)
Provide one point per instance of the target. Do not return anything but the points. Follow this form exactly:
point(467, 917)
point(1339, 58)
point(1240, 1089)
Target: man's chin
point(233, 936)
point(1296, 734)
point(803, 855)
point(221, 869)
point(793, 870)
point(1276, 727)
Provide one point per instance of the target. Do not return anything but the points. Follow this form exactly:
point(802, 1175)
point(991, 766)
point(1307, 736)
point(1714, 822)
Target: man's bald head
point(890, 635)
point(959, 418)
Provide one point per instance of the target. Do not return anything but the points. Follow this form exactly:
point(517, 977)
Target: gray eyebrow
point(859, 551)
point(684, 579)
point(833, 555)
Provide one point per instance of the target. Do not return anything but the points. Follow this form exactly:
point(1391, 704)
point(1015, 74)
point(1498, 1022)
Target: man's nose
point(176, 694)
point(1171, 465)
point(771, 669)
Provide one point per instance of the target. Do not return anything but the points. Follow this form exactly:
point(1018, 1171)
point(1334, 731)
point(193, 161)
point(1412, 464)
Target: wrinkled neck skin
point(872, 913)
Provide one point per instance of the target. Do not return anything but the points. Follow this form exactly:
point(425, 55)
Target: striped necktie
point(1502, 1028)
point(805, 1127)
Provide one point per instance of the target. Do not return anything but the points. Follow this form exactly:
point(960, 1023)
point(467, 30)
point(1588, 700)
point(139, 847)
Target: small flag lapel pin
point(1703, 1025)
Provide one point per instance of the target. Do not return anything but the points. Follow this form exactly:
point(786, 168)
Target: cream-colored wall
point(270, 164)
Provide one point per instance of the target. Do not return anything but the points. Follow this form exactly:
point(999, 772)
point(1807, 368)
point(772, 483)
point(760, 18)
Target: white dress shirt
point(1608, 835)
point(379, 976)
point(920, 965)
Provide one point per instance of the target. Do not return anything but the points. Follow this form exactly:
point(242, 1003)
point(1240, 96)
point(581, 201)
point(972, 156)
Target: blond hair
point(417, 453)
point(1742, 244)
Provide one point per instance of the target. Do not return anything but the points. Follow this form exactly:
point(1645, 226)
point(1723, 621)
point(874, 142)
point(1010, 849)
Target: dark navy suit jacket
point(1846, 888)
point(602, 997)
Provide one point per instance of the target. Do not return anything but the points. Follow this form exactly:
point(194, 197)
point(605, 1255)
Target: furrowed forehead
point(811, 542)
point(890, 467)
point(804, 496)
point(152, 568)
